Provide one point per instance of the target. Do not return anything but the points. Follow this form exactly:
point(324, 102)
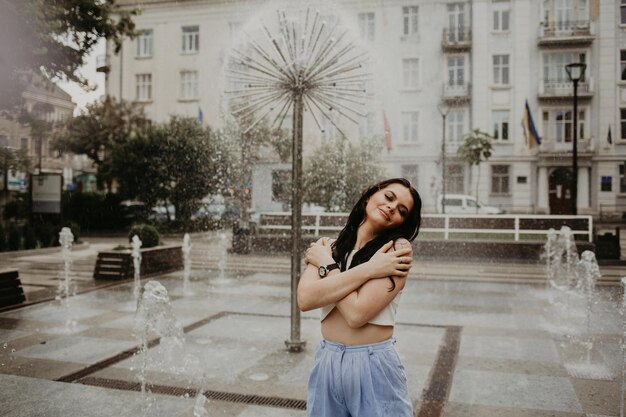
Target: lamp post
point(443, 110)
point(575, 72)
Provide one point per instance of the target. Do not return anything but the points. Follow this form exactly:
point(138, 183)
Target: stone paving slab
point(510, 358)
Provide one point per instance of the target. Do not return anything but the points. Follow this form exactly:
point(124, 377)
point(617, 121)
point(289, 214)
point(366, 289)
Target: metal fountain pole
point(295, 344)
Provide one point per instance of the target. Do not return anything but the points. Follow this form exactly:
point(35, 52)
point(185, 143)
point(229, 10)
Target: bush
point(45, 233)
point(3, 239)
point(148, 235)
point(30, 239)
point(14, 237)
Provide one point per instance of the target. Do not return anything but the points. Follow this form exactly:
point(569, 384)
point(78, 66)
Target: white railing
point(448, 224)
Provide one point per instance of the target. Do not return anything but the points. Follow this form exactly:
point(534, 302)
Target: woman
point(356, 281)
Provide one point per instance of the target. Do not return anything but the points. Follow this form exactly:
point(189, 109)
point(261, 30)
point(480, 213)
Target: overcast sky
point(80, 96)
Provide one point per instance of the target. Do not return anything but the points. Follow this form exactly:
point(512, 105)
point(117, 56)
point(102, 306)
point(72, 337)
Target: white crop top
point(386, 317)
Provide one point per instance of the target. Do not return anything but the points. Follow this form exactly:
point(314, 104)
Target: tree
point(177, 162)
point(99, 130)
point(245, 149)
point(53, 38)
point(338, 171)
point(476, 148)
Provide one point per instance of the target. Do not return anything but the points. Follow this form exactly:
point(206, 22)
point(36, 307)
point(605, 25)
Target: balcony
point(566, 33)
point(560, 90)
point(103, 63)
point(456, 95)
point(551, 146)
point(456, 40)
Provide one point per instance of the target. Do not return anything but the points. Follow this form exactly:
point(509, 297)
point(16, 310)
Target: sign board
point(46, 189)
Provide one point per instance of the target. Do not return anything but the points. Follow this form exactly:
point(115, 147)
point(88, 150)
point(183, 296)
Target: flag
point(530, 132)
point(609, 138)
point(387, 132)
point(200, 117)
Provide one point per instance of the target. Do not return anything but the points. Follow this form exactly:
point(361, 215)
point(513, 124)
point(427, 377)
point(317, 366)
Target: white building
point(483, 59)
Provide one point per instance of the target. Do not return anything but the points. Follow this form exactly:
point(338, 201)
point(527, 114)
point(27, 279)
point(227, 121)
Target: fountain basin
point(118, 265)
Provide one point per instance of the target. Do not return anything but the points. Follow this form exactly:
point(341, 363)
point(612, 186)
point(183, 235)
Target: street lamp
point(575, 72)
point(443, 110)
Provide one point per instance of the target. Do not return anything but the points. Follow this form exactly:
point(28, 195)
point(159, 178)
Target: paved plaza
point(476, 340)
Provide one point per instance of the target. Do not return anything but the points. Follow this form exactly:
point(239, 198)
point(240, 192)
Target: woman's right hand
point(386, 263)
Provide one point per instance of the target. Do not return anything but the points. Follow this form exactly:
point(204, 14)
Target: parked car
point(465, 204)
point(213, 211)
point(134, 211)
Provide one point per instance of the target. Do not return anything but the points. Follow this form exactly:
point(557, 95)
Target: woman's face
point(389, 206)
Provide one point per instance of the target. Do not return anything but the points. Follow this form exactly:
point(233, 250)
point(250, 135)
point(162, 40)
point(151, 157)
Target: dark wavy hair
point(347, 237)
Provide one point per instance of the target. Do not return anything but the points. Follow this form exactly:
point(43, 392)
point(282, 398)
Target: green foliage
point(93, 211)
point(30, 239)
point(177, 162)
point(54, 37)
point(19, 208)
point(14, 237)
point(476, 147)
point(148, 235)
point(3, 238)
point(45, 232)
point(100, 131)
point(338, 171)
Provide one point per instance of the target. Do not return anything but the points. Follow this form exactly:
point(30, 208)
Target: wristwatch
point(324, 270)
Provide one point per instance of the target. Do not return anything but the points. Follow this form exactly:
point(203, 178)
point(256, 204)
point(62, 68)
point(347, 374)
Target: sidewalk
point(471, 348)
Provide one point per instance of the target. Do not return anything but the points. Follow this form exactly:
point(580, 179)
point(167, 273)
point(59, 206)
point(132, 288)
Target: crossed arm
point(359, 293)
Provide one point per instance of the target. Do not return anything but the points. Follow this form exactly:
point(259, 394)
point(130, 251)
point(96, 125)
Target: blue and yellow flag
point(530, 132)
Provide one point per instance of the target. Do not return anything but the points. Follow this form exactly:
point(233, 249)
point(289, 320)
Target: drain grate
point(232, 397)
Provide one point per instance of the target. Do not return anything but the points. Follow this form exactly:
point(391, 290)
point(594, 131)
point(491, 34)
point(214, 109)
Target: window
point(501, 69)
point(191, 39)
point(499, 179)
point(410, 73)
point(622, 12)
point(456, 22)
point(606, 183)
point(622, 178)
point(281, 185)
point(554, 66)
point(329, 130)
point(501, 15)
point(558, 123)
point(143, 90)
point(24, 144)
point(622, 64)
point(456, 71)
point(410, 173)
point(501, 124)
point(409, 126)
point(454, 179)
point(409, 20)
point(622, 116)
point(455, 126)
point(564, 15)
point(4, 141)
point(144, 43)
point(367, 26)
point(189, 85)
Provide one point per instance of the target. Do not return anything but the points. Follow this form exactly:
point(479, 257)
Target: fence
point(446, 224)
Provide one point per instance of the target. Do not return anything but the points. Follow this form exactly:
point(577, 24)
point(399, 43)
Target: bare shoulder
point(402, 243)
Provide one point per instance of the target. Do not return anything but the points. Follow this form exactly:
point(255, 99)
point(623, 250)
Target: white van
point(465, 204)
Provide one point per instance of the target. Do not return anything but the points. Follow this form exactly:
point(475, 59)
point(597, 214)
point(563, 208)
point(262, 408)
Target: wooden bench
point(11, 291)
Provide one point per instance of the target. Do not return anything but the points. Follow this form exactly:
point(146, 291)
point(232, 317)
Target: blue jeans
point(358, 381)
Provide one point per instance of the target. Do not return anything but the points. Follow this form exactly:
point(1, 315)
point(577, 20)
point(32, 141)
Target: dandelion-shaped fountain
point(301, 62)
point(186, 263)
point(136, 255)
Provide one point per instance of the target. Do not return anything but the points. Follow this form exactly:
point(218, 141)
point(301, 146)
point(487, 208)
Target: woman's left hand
point(319, 253)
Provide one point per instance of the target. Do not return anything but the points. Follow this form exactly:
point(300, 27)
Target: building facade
point(48, 102)
point(476, 62)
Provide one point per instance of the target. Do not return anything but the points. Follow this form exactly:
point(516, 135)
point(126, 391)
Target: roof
point(42, 86)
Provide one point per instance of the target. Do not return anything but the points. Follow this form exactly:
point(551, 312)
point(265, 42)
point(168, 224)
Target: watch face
point(322, 271)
